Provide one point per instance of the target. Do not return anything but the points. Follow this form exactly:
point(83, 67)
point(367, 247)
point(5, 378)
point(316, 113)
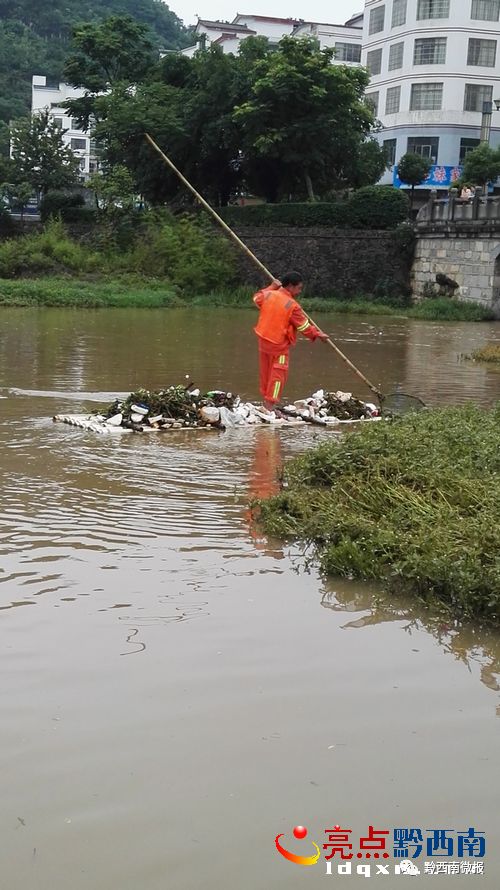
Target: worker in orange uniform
point(280, 318)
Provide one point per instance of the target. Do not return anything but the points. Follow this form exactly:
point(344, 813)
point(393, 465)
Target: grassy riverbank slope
point(414, 503)
point(146, 293)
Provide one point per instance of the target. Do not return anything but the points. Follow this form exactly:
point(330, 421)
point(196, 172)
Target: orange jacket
point(281, 317)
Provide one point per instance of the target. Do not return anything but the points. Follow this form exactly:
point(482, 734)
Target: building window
point(396, 56)
point(430, 51)
point(485, 10)
point(58, 121)
point(433, 9)
point(482, 53)
point(476, 94)
point(348, 52)
point(399, 13)
point(377, 17)
point(372, 101)
point(374, 61)
point(93, 165)
point(393, 100)
point(74, 124)
point(466, 146)
point(390, 146)
point(426, 97)
point(78, 144)
point(427, 146)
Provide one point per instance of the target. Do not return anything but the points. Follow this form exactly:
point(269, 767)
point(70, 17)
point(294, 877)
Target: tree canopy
point(39, 156)
point(278, 122)
point(413, 169)
point(482, 165)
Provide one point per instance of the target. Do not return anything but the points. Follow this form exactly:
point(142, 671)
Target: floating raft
point(185, 408)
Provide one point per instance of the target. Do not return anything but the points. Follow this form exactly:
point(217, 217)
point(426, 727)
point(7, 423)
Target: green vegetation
point(35, 39)
point(489, 353)
point(184, 253)
point(481, 166)
point(447, 309)
point(39, 156)
point(372, 207)
point(87, 294)
point(414, 503)
point(273, 121)
point(413, 170)
point(141, 290)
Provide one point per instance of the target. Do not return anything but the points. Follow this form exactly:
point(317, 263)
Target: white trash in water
point(210, 414)
point(115, 421)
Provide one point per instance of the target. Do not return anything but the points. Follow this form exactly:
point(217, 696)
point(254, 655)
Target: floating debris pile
point(329, 406)
point(180, 407)
point(175, 407)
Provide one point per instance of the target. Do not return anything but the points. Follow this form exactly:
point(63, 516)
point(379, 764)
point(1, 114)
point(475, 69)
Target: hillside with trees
point(35, 39)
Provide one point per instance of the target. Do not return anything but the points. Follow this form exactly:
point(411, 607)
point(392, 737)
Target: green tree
point(39, 155)
point(368, 164)
point(186, 105)
point(116, 50)
point(279, 123)
point(482, 166)
point(413, 170)
point(303, 118)
point(114, 189)
point(17, 196)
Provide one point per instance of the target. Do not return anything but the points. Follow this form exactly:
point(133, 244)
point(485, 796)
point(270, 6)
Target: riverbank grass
point(137, 291)
point(414, 503)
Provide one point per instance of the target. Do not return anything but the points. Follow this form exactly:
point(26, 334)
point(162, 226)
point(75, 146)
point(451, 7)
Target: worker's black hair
point(293, 278)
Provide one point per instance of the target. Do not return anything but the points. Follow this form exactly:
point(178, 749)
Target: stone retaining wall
point(334, 262)
point(471, 261)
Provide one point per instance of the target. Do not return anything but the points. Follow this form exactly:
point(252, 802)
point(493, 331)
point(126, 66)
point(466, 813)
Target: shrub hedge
point(372, 207)
point(69, 206)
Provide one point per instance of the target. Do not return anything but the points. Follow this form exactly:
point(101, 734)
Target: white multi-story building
point(46, 95)
point(434, 64)
point(346, 39)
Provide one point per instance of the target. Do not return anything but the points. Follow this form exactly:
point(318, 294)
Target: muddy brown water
point(176, 689)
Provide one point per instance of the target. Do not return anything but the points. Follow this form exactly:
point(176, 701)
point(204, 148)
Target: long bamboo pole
point(252, 256)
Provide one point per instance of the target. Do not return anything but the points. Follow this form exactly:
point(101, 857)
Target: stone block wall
point(334, 262)
point(469, 260)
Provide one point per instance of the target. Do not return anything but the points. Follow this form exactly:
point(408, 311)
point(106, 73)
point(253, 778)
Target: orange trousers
point(273, 374)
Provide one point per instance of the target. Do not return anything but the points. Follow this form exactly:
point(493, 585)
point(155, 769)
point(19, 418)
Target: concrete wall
point(332, 261)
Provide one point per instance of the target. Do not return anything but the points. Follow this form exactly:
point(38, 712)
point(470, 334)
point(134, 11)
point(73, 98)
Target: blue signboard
point(439, 177)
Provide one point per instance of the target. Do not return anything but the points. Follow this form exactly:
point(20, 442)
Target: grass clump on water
point(489, 353)
point(414, 503)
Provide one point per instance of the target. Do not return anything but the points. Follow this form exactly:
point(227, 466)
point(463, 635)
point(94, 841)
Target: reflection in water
point(467, 643)
point(264, 481)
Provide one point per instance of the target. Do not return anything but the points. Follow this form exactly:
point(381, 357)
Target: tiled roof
point(222, 26)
